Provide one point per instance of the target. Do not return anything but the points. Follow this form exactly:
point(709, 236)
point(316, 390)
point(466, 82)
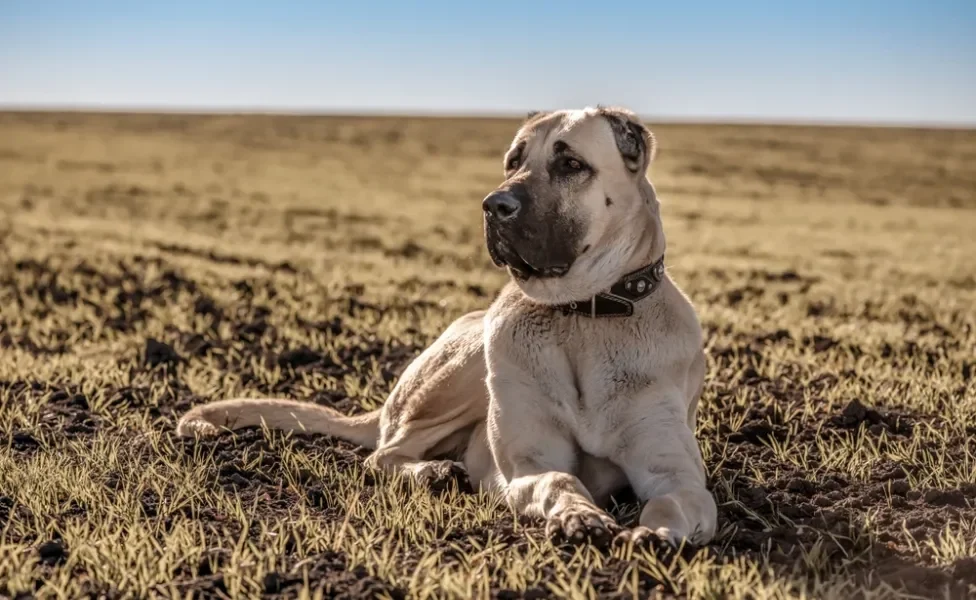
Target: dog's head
point(576, 211)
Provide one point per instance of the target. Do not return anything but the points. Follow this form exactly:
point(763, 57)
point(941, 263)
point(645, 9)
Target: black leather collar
point(619, 300)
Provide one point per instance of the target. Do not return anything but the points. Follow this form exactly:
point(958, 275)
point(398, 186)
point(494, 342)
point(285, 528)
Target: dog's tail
point(280, 414)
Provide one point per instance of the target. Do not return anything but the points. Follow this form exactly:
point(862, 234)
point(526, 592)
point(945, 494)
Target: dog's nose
point(501, 205)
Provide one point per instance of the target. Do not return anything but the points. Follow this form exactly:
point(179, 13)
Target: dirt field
point(149, 263)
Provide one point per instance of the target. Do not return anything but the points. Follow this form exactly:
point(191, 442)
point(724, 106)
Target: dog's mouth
point(504, 254)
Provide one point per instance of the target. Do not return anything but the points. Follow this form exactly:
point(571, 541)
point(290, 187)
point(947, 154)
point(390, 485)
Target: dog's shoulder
point(515, 318)
point(667, 330)
point(672, 313)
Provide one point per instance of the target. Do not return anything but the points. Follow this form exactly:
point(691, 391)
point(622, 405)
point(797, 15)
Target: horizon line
point(284, 111)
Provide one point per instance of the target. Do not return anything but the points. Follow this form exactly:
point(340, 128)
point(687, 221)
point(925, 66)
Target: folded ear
point(532, 114)
point(635, 141)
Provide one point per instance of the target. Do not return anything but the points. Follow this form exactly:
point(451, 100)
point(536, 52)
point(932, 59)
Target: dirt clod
point(945, 498)
point(900, 487)
point(159, 353)
point(53, 552)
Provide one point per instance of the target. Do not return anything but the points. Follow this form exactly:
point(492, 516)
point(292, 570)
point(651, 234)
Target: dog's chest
point(607, 377)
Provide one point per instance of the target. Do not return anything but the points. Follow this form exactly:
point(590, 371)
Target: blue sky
point(832, 60)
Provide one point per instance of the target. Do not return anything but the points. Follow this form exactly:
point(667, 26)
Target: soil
point(76, 272)
point(833, 503)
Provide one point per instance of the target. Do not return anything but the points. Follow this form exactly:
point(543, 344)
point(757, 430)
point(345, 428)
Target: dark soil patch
point(158, 353)
point(53, 553)
point(226, 259)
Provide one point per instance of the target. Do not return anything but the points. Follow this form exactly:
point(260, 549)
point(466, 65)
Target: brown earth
point(150, 263)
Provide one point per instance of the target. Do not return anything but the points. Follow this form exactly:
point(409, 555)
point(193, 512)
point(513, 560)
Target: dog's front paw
point(581, 524)
point(442, 475)
point(644, 537)
point(638, 536)
point(663, 519)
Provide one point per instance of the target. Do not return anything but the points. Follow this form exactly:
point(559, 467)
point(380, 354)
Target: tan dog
point(582, 377)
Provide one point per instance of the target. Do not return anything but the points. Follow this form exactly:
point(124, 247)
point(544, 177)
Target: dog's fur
point(555, 411)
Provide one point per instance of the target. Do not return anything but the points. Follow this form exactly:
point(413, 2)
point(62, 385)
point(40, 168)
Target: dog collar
point(619, 300)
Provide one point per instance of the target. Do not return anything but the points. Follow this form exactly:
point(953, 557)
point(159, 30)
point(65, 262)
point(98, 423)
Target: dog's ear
point(532, 114)
point(634, 140)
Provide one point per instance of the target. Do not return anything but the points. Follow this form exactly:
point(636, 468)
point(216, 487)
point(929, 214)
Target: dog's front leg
point(538, 461)
point(538, 490)
point(660, 455)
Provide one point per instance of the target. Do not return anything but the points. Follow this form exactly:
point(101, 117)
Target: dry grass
point(313, 257)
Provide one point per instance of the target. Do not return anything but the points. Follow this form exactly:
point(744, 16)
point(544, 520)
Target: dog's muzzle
point(504, 253)
point(509, 245)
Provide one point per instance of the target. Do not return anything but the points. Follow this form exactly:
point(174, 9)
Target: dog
point(581, 378)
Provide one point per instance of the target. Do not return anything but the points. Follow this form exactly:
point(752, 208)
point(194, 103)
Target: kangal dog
point(584, 374)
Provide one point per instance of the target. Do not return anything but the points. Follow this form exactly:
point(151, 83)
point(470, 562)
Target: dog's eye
point(512, 163)
point(573, 165)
